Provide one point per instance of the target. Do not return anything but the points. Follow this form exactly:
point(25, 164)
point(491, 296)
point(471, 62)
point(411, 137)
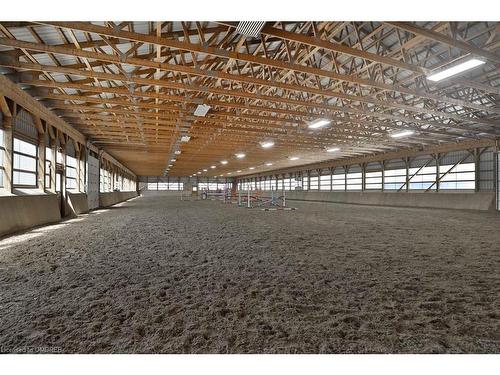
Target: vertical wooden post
point(8, 142)
point(407, 163)
point(41, 161)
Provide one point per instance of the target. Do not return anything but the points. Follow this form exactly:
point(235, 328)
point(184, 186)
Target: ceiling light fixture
point(223, 162)
point(319, 123)
point(333, 149)
point(404, 133)
point(251, 168)
point(238, 171)
point(202, 110)
point(240, 155)
point(250, 28)
point(185, 138)
point(462, 67)
point(267, 144)
point(269, 164)
point(178, 152)
point(293, 158)
point(205, 170)
point(213, 166)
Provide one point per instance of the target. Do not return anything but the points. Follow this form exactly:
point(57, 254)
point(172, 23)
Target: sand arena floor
point(160, 275)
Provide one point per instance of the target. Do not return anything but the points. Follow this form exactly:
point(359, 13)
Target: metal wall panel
point(486, 170)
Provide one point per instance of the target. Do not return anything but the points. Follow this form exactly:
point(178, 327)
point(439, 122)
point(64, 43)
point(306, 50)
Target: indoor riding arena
point(249, 187)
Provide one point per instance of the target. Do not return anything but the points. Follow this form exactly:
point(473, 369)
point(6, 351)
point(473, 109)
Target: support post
point(41, 161)
point(8, 142)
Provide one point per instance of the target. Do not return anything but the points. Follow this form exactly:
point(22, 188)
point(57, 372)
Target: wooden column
point(41, 161)
point(53, 148)
point(8, 142)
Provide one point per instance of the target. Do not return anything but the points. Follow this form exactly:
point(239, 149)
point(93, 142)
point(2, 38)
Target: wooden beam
point(441, 38)
point(4, 107)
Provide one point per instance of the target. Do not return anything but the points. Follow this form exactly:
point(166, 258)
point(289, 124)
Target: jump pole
point(248, 199)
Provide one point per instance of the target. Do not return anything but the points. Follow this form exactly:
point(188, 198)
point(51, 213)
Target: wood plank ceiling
point(133, 87)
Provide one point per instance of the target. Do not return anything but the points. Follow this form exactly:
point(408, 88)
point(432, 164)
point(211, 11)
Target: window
point(338, 181)
point(174, 186)
point(394, 179)
point(286, 183)
point(325, 182)
point(422, 178)
point(373, 180)
point(152, 183)
point(105, 180)
point(163, 185)
point(305, 185)
point(2, 150)
point(313, 183)
point(48, 167)
point(460, 177)
point(272, 184)
point(25, 163)
point(71, 173)
point(58, 182)
point(354, 179)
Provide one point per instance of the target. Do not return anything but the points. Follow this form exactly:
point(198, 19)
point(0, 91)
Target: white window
point(373, 180)
point(71, 173)
point(286, 184)
point(394, 179)
point(48, 167)
point(338, 181)
point(305, 183)
point(354, 181)
point(163, 185)
point(325, 182)
point(25, 163)
point(460, 177)
point(313, 183)
point(422, 178)
point(272, 184)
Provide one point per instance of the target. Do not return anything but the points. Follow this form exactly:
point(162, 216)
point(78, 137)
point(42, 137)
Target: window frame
point(36, 157)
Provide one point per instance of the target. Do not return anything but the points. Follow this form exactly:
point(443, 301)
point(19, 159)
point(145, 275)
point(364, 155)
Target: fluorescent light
point(401, 134)
point(251, 168)
point(202, 110)
point(238, 171)
point(213, 166)
point(178, 152)
point(198, 172)
point(250, 28)
point(223, 162)
point(293, 158)
point(333, 149)
point(173, 160)
point(185, 138)
point(205, 170)
point(267, 144)
point(170, 165)
point(462, 67)
point(319, 123)
point(228, 173)
point(269, 164)
point(240, 155)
